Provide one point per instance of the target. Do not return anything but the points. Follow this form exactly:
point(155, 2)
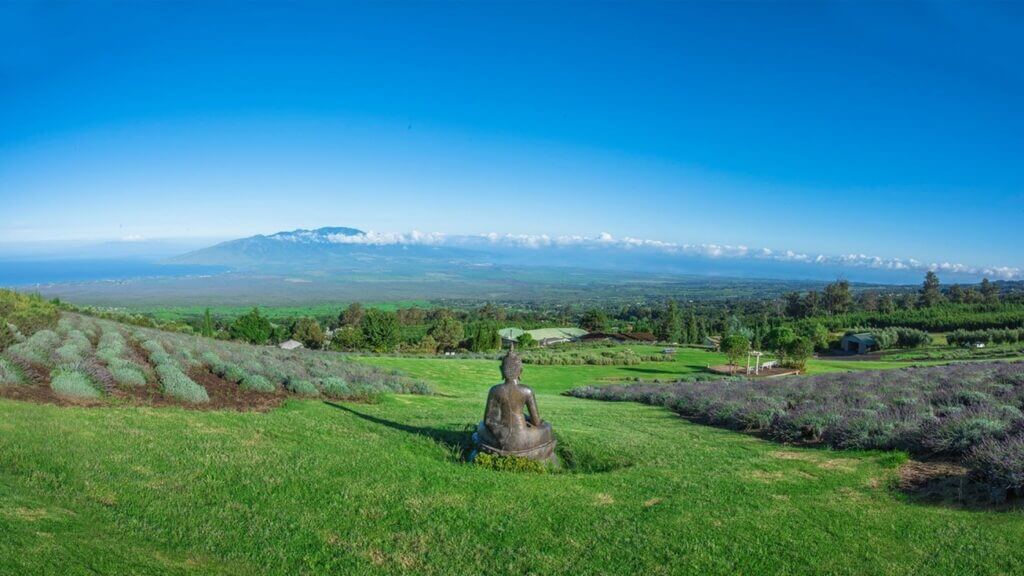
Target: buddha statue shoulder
point(512, 424)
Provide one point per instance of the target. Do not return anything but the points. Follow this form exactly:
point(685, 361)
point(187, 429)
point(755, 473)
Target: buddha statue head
point(511, 366)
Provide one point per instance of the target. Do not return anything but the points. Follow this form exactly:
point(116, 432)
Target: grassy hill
point(318, 487)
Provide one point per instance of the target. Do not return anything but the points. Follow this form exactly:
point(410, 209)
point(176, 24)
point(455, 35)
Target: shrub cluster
point(177, 384)
point(618, 357)
point(74, 383)
point(68, 347)
point(989, 336)
point(76, 347)
point(902, 337)
point(37, 349)
point(111, 349)
point(27, 313)
point(10, 374)
point(302, 387)
point(959, 411)
point(257, 383)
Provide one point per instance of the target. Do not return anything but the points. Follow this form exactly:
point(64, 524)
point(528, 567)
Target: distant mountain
point(334, 250)
point(351, 254)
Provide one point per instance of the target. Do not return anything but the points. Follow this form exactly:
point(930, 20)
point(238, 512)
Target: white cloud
point(608, 241)
point(387, 238)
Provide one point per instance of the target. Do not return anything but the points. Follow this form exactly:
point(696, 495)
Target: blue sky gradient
point(835, 128)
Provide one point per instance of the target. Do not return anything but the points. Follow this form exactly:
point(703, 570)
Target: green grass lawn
point(315, 488)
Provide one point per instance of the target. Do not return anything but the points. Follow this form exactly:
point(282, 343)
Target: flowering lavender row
point(970, 412)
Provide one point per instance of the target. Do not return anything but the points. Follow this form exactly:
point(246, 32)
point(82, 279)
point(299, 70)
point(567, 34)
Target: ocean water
point(15, 273)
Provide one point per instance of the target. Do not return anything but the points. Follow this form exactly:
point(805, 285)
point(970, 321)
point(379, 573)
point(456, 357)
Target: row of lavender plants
point(268, 369)
point(970, 412)
point(86, 357)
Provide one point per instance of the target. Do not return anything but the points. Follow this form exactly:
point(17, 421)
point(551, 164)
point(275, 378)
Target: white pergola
point(757, 361)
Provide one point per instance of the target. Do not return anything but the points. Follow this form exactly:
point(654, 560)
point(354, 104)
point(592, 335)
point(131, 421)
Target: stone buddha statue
point(506, 430)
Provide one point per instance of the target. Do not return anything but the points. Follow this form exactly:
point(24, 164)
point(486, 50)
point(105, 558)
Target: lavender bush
point(107, 355)
point(970, 412)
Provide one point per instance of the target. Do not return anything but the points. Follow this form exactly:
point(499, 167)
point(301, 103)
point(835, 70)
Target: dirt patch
point(946, 483)
point(787, 455)
point(134, 353)
point(742, 371)
point(43, 394)
point(225, 394)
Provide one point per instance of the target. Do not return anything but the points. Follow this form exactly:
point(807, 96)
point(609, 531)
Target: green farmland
point(316, 487)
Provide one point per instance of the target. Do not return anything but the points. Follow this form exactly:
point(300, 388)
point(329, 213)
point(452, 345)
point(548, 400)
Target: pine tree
point(670, 327)
point(207, 329)
point(931, 293)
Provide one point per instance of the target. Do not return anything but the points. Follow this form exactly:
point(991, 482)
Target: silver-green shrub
point(303, 387)
point(67, 382)
point(335, 387)
point(10, 374)
point(257, 383)
point(37, 349)
point(175, 383)
point(126, 373)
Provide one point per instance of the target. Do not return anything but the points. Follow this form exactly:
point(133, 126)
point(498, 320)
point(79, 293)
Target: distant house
point(509, 335)
point(543, 336)
point(861, 343)
point(290, 345)
point(713, 342)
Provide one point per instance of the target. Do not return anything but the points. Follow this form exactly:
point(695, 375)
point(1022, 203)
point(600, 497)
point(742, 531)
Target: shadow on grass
point(460, 444)
point(457, 441)
point(652, 371)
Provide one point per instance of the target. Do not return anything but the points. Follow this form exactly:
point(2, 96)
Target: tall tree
point(252, 328)
point(956, 294)
point(837, 297)
point(447, 332)
point(931, 291)
point(989, 291)
point(670, 326)
point(207, 328)
point(794, 305)
point(308, 331)
point(594, 320)
point(485, 338)
point(869, 300)
point(353, 315)
point(735, 346)
point(812, 304)
point(380, 329)
point(886, 304)
point(692, 329)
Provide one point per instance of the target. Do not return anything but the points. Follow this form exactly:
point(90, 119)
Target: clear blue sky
point(876, 128)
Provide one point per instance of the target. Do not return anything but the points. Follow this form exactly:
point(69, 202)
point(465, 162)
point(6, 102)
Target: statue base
point(541, 453)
